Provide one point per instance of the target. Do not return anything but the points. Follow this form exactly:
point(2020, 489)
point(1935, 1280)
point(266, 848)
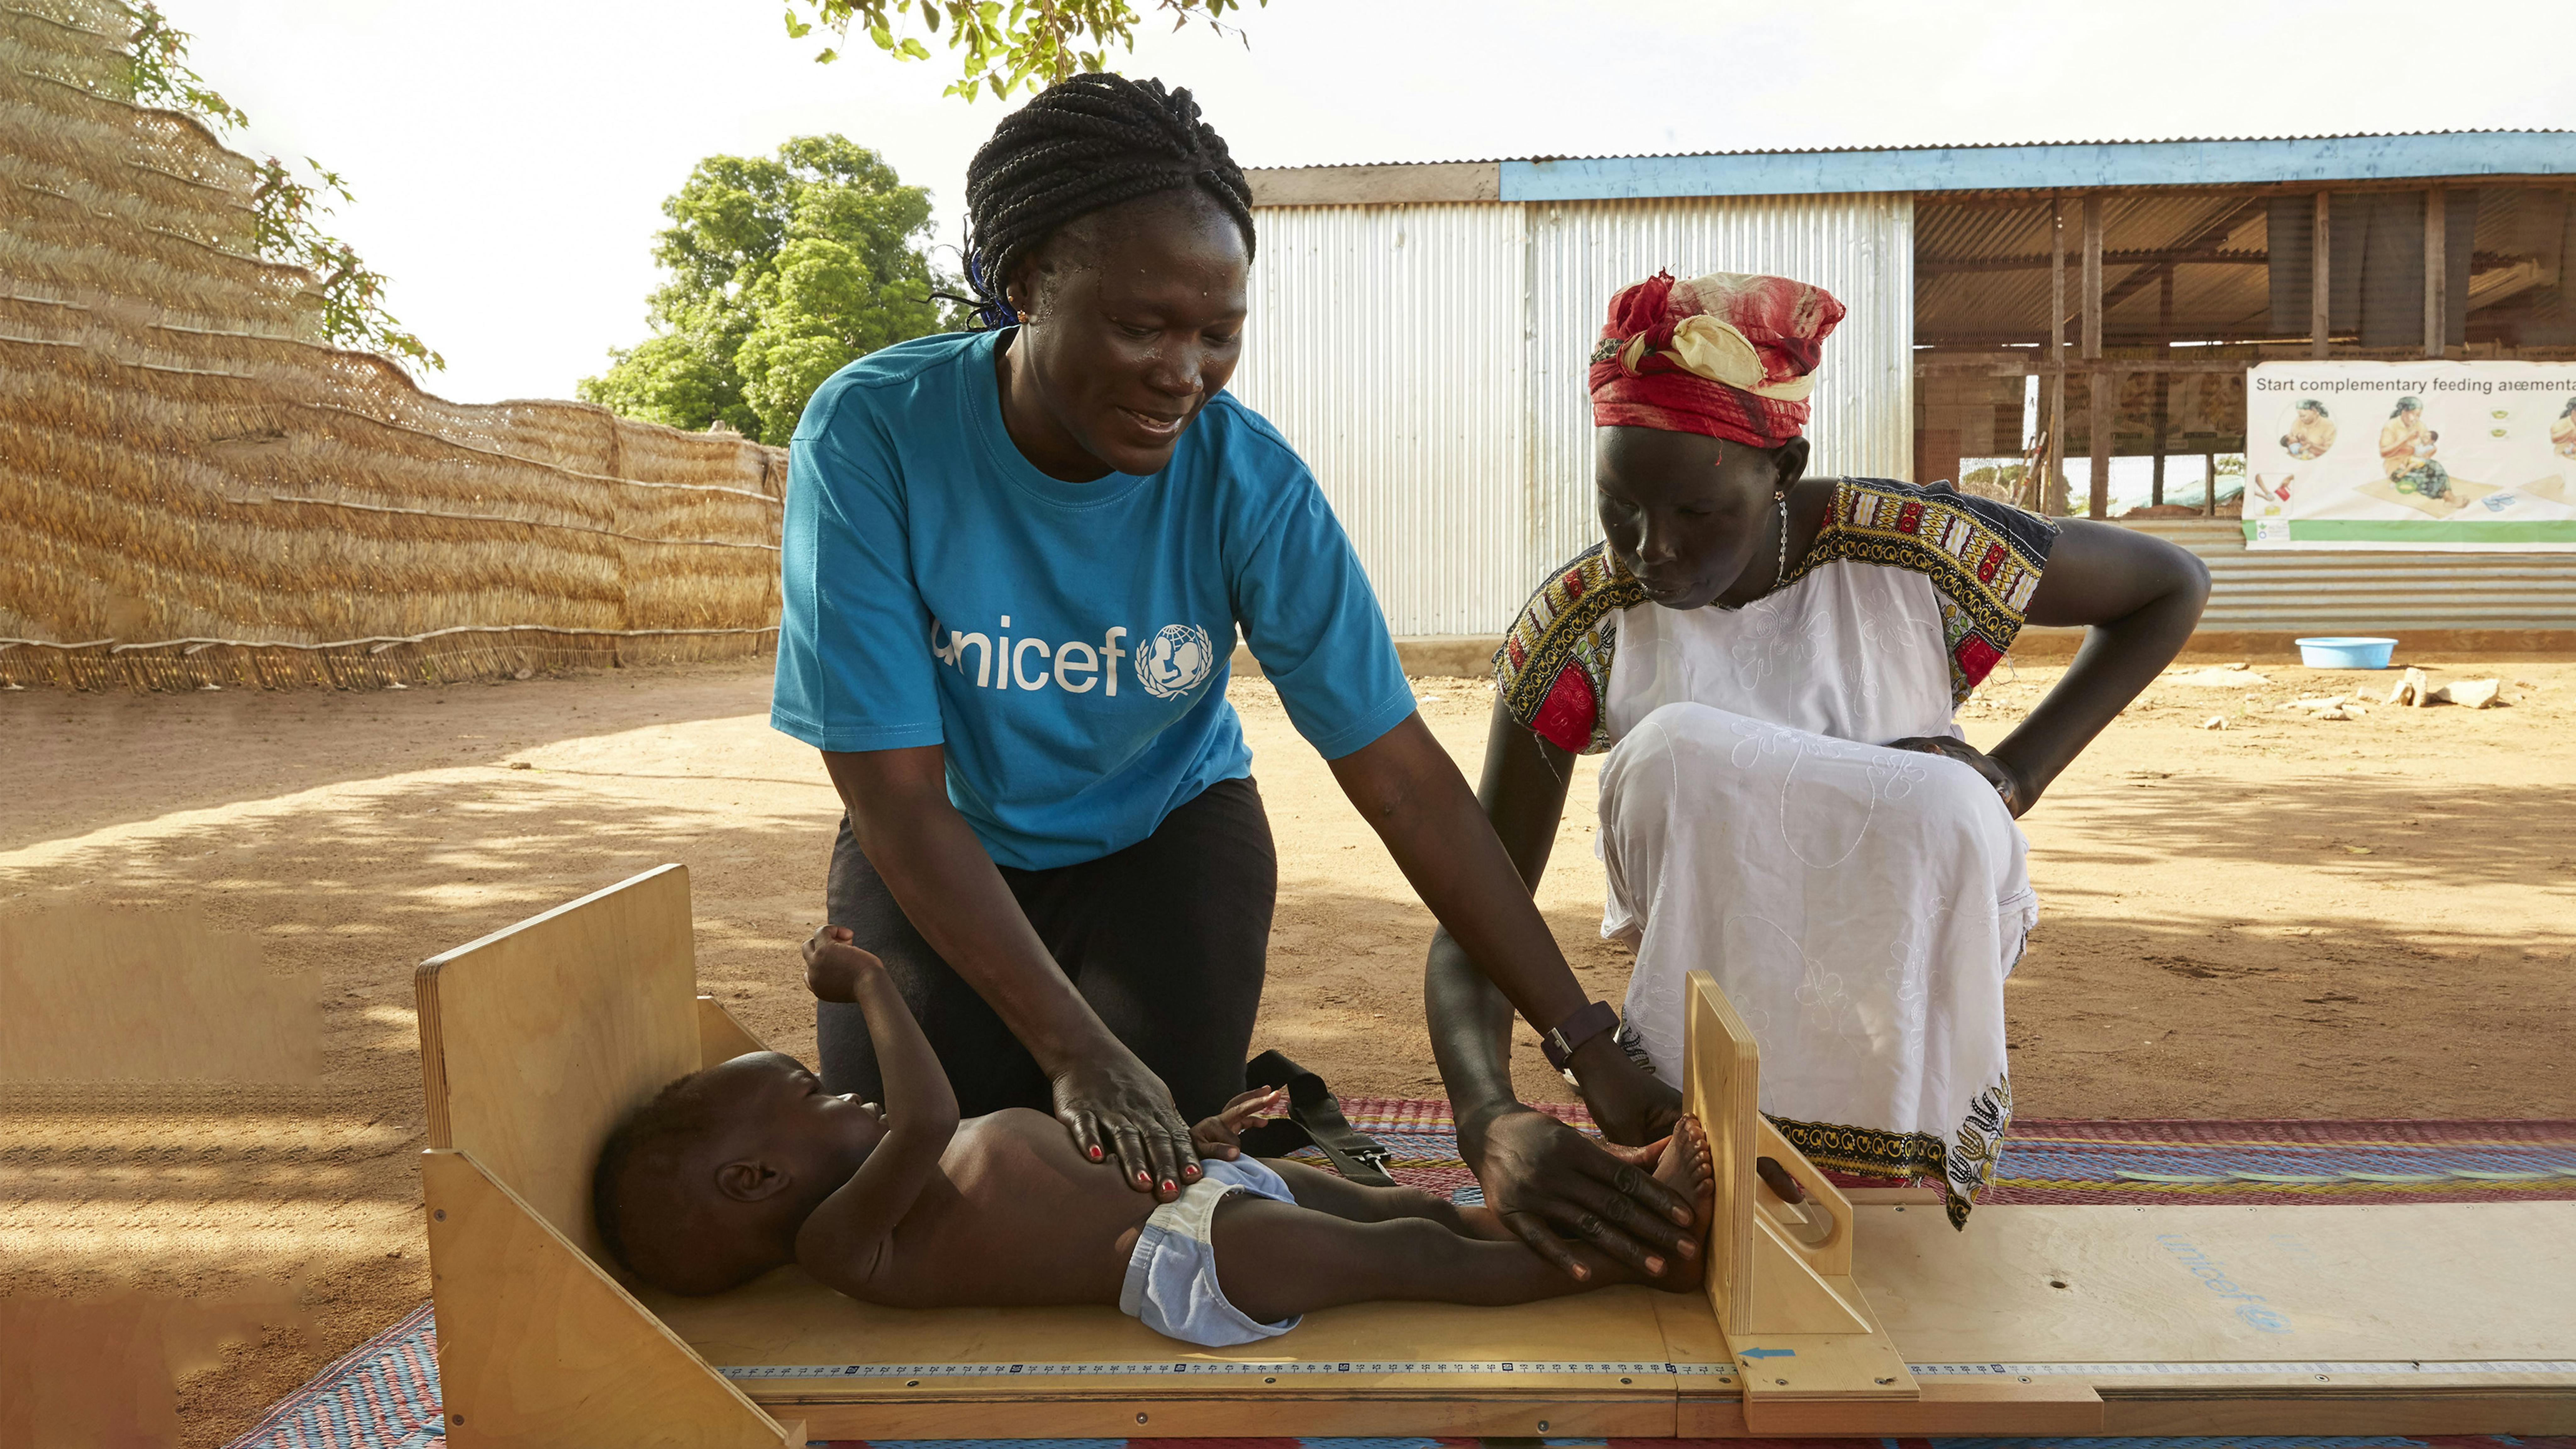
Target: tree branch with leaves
point(1026, 45)
point(780, 271)
point(287, 204)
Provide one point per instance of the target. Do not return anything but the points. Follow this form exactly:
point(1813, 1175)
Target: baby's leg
point(1334, 1194)
point(1274, 1260)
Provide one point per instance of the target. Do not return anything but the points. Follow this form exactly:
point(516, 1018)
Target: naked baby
point(747, 1165)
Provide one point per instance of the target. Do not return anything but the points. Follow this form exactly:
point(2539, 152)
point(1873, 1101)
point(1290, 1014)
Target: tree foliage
point(1026, 45)
point(782, 270)
point(288, 205)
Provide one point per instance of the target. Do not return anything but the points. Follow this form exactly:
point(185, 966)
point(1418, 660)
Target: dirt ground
point(2287, 917)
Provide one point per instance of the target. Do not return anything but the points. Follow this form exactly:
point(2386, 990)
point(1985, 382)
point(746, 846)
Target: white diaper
point(1171, 1284)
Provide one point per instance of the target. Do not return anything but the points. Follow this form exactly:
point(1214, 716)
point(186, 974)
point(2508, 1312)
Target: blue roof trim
point(2072, 166)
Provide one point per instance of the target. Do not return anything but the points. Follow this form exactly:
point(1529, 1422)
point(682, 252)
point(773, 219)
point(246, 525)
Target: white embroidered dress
point(1860, 906)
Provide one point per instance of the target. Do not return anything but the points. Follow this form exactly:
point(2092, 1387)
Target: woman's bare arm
point(2141, 596)
point(941, 875)
point(1541, 1176)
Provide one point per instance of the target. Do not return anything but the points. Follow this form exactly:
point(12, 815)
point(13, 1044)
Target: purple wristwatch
point(1574, 1031)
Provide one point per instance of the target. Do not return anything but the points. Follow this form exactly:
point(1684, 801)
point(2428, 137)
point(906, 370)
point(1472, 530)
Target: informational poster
point(2411, 455)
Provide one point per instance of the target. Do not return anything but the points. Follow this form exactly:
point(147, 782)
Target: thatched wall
point(193, 490)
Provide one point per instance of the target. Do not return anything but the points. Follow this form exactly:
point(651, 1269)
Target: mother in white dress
point(1772, 663)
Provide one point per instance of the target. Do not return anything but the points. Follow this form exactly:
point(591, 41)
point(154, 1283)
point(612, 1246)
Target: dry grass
point(181, 460)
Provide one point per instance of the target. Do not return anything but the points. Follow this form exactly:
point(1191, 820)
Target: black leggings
point(1166, 939)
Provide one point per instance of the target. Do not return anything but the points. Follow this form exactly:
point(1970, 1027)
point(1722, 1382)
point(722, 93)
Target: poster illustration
point(2411, 455)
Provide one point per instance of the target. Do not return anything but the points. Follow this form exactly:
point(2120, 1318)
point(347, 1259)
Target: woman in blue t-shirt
point(1015, 561)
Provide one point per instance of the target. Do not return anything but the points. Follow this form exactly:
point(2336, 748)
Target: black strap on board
point(1314, 1119)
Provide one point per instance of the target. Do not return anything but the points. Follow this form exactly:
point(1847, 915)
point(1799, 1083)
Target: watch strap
point(1560, 1042)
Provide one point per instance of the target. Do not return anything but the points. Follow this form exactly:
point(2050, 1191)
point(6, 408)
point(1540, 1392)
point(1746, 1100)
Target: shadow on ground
point(2361, 828)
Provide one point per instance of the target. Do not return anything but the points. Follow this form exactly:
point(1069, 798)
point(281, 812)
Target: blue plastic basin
point(2339, 652)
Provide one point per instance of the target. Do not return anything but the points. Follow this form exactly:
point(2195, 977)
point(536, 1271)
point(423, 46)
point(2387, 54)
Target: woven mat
point(384, 1393)
point(2183, 1162)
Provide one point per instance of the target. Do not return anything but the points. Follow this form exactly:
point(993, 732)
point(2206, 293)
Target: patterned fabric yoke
point(1983, 558)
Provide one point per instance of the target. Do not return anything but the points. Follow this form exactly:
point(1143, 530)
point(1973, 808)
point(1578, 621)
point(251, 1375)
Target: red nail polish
point(1095, 1154)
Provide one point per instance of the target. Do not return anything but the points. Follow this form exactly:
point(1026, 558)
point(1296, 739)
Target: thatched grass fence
point(195, 491)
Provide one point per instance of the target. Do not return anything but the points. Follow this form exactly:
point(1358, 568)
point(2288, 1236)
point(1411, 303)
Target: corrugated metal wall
point(1387, 343)
point(1860, 248)
point(2342, 593)
point(1428, 360)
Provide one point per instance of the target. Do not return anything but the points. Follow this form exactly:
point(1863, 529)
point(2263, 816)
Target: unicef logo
point(1175, 660)
point(2262, 1319)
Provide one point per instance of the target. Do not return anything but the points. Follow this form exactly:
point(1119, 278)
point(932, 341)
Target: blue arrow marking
point(1768, 1353)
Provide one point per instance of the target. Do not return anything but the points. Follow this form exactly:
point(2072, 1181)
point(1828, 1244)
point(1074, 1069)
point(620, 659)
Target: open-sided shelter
point(1421, 331)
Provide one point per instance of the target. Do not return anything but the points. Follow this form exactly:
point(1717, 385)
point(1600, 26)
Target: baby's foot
point(1685, 1168)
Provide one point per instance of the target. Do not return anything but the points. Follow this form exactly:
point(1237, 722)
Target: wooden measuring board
point(2452, 1317)
point(1589, 1365)
point(2422, 1319)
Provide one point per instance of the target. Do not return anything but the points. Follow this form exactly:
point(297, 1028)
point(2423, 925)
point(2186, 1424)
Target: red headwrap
point(1727, 355)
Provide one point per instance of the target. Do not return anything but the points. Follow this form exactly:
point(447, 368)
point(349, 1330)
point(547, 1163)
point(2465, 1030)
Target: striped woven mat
point(2180, 1162)
point(384, 1393)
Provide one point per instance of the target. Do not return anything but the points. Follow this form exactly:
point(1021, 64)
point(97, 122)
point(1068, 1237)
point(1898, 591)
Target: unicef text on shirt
point(1174, 660)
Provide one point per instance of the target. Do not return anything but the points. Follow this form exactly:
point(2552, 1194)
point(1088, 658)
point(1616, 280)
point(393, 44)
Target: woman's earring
point(1780, 570)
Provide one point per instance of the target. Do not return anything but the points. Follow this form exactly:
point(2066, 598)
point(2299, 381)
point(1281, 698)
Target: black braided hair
point(1084, 145)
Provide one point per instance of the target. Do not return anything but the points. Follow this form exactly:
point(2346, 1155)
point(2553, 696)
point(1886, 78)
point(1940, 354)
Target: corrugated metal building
point(1421, 332)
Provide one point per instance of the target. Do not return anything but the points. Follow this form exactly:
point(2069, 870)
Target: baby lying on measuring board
point(739, 1168)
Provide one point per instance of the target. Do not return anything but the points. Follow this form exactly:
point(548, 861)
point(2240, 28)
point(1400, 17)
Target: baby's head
point(704, 1187)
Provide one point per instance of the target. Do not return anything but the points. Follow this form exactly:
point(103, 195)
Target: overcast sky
point(510, 158)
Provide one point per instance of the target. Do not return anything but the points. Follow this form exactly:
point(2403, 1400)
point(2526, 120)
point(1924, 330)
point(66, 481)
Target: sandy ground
point(2286, 917)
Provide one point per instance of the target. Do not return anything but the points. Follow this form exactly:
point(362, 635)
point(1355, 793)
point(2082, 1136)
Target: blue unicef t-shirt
point(1067, 642)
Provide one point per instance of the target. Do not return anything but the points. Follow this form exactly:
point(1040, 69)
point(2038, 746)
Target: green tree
point(2003, 479)
point(288, 207)
point(1001, 50)
point(781, 271)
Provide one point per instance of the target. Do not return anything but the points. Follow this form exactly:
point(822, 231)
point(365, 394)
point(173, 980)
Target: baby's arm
point(1222, 1134)
point(848, 1237)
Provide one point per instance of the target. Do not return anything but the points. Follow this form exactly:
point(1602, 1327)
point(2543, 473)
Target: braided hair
point(1084, 145)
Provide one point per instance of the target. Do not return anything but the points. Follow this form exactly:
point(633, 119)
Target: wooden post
point(2209, 484)
point(2320, 295)
point(2437, 330)
point(2034, 456)
point(2099, 386)
point(2092, 294)
point(2053, 462)
point(2164, 380)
